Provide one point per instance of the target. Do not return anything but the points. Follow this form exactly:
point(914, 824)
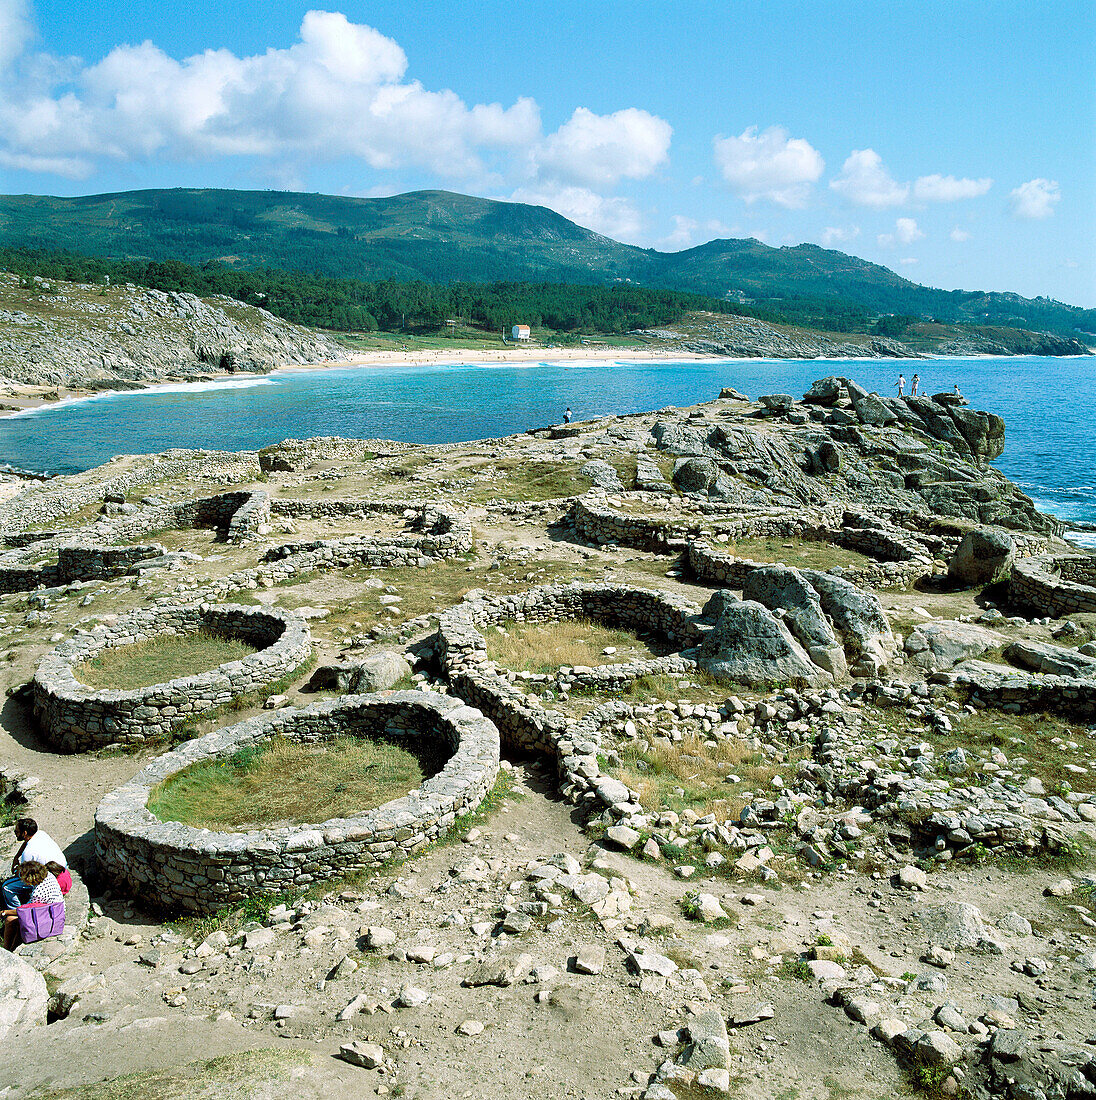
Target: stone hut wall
point(46, 502)
point(239, 515)
point(180, 867)
point(75, 718)
point(1054, 584)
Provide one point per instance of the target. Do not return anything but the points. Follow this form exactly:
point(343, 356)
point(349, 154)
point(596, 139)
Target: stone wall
point(1054, 584)
point(238, 516)
point(902, 555)
point(722, 570)
point(46, 502)
point(75, 718)
point(1018, 692)
point(180, 867)
point(76, 563)
point(524, 725)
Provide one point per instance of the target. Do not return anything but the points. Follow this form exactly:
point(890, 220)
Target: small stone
point(1061, 889)
point(470, 1028)
point(412, 997)
point(366, 1055)
point(590, 958)
point(517, 922)
point(623, 837)
point(376, 939)
point(939, 956)
point(913, 878)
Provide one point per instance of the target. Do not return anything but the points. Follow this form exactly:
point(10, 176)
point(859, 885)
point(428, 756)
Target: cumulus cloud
point(1034, 199)
point(768, 165)
point(601, 150)
point(834, 234)
point(611, 215)
point(339, 91)
point(959, 234)
point(681, 236)
point(939, 188)
point(865, 181)
point(15, 29)
point(906, 231)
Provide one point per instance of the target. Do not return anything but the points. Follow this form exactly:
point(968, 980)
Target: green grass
point(798, 552)
point(545, 647)
point(286, 781)
point(231, 1077)
point(156, 660)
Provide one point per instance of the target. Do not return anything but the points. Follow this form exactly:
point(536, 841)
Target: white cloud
point(768, 165)
point(1035, 199)
point(613, 216)
point(721, 229)
point(865, 181)
point(958, 234)
point(939, 188)
point(339, 91)
point(906, 231)
point(15, 29)
point(681, 236)
point(600, 150)
point(834, 234)
point(909, 261)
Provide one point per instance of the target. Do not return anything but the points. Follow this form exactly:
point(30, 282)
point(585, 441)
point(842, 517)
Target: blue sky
point(954, 142)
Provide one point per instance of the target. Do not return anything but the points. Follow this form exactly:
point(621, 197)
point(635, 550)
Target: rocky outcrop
point(85, 336)
point(844, 445)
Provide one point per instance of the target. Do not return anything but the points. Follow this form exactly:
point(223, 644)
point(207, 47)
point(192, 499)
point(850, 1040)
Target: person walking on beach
point(567, 415)
point(901, 384)
point(915, 381)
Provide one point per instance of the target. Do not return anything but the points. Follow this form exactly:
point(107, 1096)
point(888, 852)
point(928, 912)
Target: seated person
point(43, 890)
point(36, 844)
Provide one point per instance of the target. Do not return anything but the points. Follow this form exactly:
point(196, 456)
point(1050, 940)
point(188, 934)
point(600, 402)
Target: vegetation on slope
point(440, 237)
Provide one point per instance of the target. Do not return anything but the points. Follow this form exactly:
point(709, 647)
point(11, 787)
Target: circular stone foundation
point(74, 717)
point(1054, 584)
point(180, 867)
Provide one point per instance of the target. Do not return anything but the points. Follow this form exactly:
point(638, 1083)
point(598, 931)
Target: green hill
point(441, 237)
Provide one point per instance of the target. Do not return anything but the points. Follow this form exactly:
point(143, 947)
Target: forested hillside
point(437, 237)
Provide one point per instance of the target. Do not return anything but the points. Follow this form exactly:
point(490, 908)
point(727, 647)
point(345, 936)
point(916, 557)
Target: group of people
point(915, 382)
point(39, 878)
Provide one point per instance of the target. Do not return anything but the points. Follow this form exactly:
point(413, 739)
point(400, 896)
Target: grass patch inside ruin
point(692, 774)
point(157, 660)
point(287, 782)
point(545, 647)
point(800, 553)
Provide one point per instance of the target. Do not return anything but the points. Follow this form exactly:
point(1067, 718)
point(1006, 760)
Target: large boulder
point(943, 643)
point(984, 556)
point(860, 619)
point(750, 645)
point(777, 402)
point(24, 998)
point(602, 475)
point(873, 410)
point(825, 391)
point(377, 672)
point(695, 475)
point(781, 586)
point(1052, 660)
point(984, 432)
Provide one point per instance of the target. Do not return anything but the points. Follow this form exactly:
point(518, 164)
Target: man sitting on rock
point(35, 845)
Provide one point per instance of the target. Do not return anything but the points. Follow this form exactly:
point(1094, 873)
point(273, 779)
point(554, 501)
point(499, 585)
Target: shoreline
point(35, 397)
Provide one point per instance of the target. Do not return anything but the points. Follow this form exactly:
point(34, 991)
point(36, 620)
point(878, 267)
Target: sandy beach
point(20, 398)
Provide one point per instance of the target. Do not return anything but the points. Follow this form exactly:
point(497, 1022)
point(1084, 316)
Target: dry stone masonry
point(178, 867)
point(75, 718)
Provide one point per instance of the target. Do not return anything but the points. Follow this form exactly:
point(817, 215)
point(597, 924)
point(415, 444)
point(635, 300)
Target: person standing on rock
point(915, 381)
point(36, 845)
point(567, 415)
point(901, 384)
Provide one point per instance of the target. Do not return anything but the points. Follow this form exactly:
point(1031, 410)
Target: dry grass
point(545, 647)
point(690, 774)
point(797, 552)
point(517, 478)
point(156, 660)
point(231, 1077)
point(288, 782)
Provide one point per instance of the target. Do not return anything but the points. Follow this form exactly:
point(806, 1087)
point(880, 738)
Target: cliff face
point(69, 334)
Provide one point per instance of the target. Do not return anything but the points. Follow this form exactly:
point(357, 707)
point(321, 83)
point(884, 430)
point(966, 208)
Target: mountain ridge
point(443, 236)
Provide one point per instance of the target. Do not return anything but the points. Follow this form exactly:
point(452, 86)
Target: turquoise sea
point(1049, 406)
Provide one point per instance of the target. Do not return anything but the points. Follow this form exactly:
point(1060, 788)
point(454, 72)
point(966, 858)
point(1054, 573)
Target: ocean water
point(1049, 407)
